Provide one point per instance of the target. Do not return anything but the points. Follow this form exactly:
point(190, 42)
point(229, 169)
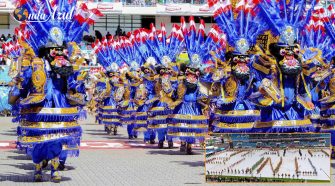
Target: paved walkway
point(122, 162)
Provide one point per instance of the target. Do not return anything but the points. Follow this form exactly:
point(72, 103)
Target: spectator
point(14, 38)
point(108, 35)
point(98, 35)
point(3, 37)
point(118, 31)
point(89, 38)
point(9, 36)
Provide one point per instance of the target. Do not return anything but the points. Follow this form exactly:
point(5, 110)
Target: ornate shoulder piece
point(181, 91)
point(39, 77)
point(230, 89)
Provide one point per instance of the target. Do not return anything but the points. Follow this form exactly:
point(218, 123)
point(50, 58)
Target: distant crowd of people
point(7, 38)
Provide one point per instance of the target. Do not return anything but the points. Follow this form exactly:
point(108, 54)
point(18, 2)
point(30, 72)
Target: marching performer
point(166, 83)
point(48, 121)
point(113, 92)
point(188, 121)
point(286, 95)
point(316, 54)
point(147, 87)
point(236, 112)
point(131, 57)
point(328, 100)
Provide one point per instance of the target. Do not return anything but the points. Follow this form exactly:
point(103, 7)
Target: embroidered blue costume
point(166, 84)
point(236, 112)
point(286, 95)
point(108, 57)
point(44, 93)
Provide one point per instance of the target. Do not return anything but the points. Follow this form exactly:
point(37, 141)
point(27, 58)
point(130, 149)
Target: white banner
point(107, 6)
point(183, 9)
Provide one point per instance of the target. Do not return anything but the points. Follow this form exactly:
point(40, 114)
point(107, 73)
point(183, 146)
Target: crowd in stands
point(152, 2)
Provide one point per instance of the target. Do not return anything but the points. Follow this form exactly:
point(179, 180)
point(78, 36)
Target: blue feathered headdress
point(107, 54)
point(141, 43)
point(243, 30)
point(286, 19)
point(129, 54)
point(12, 49)
point(315, 41)
point(65, 23)
point(328, 19)
point(199, 48)
point(165, 52)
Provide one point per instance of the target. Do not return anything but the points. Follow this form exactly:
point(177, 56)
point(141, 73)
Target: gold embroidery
point(181, 90)
point(43, 110)
point(42, 138)
point(188, 117)
point(66, 147)
point(186, 125)
point(314, 116)
point(235, 125)
point(48, 125)
point(230, 89)
point(272, 91)
point(159, 117)
point(140, 129)
point(108, 107)
point(141, 114)
point(111, 120)
point(239, 112)
point(283, 123)
point(157, 126)
point(157, 109)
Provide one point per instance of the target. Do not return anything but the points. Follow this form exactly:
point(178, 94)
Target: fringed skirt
point(239, 116)
point(110, 114)
point(284, 120)
point(128, 114)
point(45, 133)
point(158, 115)
point(141, 117)
point(187, 123)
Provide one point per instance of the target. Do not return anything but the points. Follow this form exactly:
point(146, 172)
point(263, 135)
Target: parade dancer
point(328, 100)
point(76, 93)
point(48, 122)
point(113, 87)
point(130, 55)
point(236, 112)
point(166, 83)
point(316, 53)
point(284, 111)
point(188, 121)
point(147, 87)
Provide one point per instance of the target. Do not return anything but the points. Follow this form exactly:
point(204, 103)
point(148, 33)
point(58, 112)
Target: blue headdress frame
point(243, 30)
point(57, 32)
point(107, 55)
point(286, 19)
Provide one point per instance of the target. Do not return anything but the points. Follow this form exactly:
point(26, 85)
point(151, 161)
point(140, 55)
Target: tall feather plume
point(243, 30)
